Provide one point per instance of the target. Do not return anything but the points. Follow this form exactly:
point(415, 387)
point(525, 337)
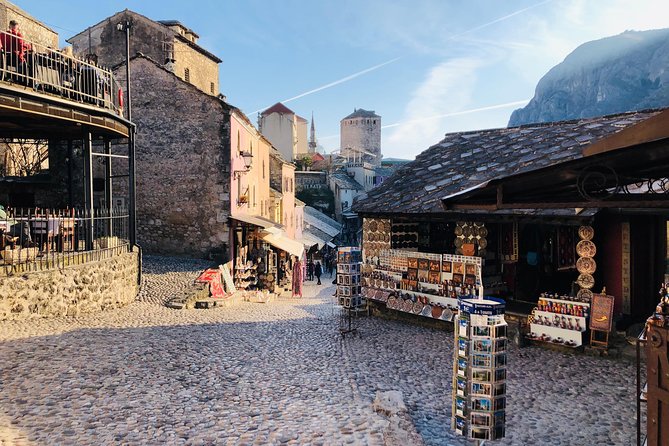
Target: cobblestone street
point(274, 373)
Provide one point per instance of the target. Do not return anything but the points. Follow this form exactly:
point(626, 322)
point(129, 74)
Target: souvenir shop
point(263, 259)
point(547, 268)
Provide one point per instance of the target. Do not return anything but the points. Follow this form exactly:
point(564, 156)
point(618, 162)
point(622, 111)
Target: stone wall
point(150, 38)
point(31, 28)
point(73, 290)
point(182, 164)
point(361, 134)
point(202, 70)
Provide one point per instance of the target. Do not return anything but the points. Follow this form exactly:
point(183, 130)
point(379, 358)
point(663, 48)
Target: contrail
point(376, 67)
point(508, 16)
point(445, 115)
point(458, 113)
point(337, 82)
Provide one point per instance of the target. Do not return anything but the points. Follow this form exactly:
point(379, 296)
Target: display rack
point(560, 321)
point(349, 288)
point(479, 370)
point(424, 284)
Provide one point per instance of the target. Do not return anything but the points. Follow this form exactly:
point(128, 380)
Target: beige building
point(168, 42)
point(285, 130)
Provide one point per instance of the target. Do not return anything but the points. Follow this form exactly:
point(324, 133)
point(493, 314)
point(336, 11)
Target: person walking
point(318, 270)
point(310, 270)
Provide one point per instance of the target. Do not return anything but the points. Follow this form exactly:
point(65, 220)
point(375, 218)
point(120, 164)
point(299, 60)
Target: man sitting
point(17, 232)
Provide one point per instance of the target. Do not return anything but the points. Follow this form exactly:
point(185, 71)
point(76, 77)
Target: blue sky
point(428, 67)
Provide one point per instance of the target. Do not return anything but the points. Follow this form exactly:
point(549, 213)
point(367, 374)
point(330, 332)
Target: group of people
point(314, 270)
point(14, 233)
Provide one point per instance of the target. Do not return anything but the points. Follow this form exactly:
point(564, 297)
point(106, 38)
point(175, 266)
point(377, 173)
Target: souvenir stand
point(564, 319)
point(421, 283)
point(349, 296)
point(479, 370)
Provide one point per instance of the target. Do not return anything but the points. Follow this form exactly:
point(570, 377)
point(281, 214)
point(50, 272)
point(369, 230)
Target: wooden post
point(657, 351)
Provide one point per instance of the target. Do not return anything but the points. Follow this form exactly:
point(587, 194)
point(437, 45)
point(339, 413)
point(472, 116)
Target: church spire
point(312, 138)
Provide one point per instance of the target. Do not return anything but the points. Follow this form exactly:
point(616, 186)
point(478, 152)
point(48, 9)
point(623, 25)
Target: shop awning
point(308, 239)
point(331, 245)
point(256, 221)
point(284, 243)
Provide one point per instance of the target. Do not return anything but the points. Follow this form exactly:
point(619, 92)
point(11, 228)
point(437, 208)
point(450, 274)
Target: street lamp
point(248, 160)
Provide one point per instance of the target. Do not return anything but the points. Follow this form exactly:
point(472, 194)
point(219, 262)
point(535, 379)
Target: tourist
point(15, 47)
point(15, 231)
point(318, 270)
point(310, 270)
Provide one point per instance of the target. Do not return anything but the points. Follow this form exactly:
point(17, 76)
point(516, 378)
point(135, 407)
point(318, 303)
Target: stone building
point(168, 42)
point(285, 130)
point(183, 169)
point(310, 179)
point(31, 28)
point(360, 136)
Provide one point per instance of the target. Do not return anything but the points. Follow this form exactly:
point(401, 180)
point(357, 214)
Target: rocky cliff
point(616, 74)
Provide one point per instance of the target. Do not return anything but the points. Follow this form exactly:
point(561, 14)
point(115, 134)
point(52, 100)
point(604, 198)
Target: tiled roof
point(316, 219)
point(384, 171)
point(466, 159)
point(346, 182)
point(361, 113)
point(278, 108)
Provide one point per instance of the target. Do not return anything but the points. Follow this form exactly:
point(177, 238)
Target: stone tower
point(360, 134)
point(312, 136)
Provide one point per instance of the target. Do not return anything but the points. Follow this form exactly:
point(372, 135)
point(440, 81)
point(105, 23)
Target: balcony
point(43, 81)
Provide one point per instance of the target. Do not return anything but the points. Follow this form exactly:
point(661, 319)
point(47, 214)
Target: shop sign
point(601, 314)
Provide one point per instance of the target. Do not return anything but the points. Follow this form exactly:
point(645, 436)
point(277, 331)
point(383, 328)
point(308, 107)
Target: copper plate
point(408, 306)
point(584, 294)
point(436, 311)
point(391, 302)
point(586, 281)
point(468, 231)
point(459, 241)
point(586, 265)
point(417, 308)
point(586, 232)
point(373, 225)
point(585, 248)
point(483, 231)
point(458, 230)
point(483, 243)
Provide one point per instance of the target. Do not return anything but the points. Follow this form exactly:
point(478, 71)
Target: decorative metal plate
point(585, 248)
point(586, 265)
point(586, 232)
point(585, 281)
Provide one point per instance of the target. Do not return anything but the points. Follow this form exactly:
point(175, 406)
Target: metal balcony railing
point(51, 71)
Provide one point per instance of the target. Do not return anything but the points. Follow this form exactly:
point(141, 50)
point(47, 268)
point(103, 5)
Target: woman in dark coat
point(318, 270)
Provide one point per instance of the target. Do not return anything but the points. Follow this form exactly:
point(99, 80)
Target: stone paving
point(275, 373)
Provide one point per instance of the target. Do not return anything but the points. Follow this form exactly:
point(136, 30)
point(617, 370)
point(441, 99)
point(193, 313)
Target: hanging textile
point(566, 241)
point(508, 234)
point(298, 278)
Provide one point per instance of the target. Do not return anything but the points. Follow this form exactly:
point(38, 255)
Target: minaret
point(312, 137)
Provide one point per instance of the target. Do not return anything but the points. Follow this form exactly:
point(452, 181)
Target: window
point(187, 75)
point(211, 88)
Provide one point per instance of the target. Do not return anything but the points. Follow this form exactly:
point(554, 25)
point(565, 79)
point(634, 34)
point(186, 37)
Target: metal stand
point(346, 322)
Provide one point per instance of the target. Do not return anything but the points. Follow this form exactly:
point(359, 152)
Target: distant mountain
point(616, 74)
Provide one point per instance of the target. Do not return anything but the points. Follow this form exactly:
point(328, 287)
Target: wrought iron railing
point(39, 239)
point(47, 70)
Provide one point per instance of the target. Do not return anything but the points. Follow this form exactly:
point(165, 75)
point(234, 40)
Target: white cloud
point(447, 88)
